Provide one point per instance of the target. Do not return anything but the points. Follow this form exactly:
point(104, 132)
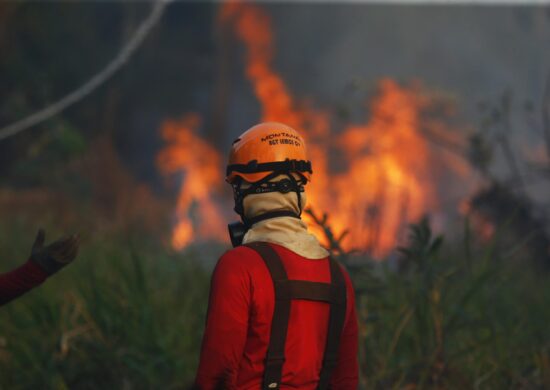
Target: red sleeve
point(346, 373)
point(20, 280)
point(226, 325)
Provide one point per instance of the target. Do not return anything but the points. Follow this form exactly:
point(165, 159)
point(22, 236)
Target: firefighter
point(43, 262)
point(281, 312)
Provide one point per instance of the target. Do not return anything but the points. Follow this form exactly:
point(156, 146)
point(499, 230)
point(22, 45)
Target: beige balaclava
point(286, 231)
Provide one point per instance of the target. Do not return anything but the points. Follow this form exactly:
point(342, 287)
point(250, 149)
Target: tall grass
point(445, 321)
point(129, 315)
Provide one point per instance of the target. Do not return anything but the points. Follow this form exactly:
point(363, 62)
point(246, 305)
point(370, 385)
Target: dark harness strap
point(333, 293)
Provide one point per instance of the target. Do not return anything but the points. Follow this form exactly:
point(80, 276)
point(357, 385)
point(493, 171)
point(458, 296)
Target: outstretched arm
point(44, 261)
point(20, 280)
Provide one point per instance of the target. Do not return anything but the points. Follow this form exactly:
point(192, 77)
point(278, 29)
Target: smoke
point(473, 52)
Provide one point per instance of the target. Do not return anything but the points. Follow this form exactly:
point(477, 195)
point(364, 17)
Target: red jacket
point(20, 280)
point(239, 324)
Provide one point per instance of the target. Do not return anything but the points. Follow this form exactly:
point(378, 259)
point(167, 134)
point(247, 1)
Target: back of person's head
point(268, 168)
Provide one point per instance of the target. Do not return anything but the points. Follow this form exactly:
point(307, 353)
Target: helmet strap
point(298, 189)
point(265, 186)
point(269, 215)
point(237, 230)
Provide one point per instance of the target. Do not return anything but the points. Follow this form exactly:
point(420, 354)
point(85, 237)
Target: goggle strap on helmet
point(282, 186)
point(265, 186)
point(278, 166)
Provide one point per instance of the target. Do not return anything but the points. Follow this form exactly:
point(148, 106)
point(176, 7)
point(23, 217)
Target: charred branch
point(97, 80)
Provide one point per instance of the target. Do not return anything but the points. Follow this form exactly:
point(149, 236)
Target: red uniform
point(239, 324)
point(20, 280)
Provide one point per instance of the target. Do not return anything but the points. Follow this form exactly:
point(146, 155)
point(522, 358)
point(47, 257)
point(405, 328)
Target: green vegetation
point(129, 314)
point(123, 316)
point(456, 318)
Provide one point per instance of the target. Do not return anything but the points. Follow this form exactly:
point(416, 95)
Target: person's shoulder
point(241, 257)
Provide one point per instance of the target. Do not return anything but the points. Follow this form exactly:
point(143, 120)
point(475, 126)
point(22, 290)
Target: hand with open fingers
point(56, 255)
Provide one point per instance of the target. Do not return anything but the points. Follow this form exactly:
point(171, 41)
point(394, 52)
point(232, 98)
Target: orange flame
point(200, 163)
point(385, 170)
point(253, 27)
point(387, 180)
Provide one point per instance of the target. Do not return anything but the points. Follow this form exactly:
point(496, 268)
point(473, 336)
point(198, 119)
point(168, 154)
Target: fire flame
point(385, 170)
point(200, 164)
